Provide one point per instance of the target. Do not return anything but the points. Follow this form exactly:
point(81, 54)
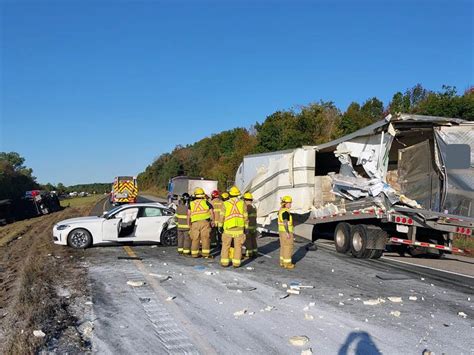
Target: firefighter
point(184, 241)
point(251, 235)
point(285, 230)
point(225, 196)
point(216, 203)
point(200, 217)
point(235, 222)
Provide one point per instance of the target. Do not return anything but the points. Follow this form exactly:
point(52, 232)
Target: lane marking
point(105, 202)
point(330, 247)
point(427, 267)
point(194, 333)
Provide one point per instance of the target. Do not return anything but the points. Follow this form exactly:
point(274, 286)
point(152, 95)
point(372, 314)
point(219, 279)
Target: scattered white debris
point(422, 279)
point(332, 270)
point(153, 246)
point(462, 314)
point(299, 340)
point(395, 299)
point(88, 303)
point(239, 291)
point(422, 298)
point(156, 275)
point(431, 285)
point(341, 303)
point(395, 313)
point(165, 264)
point(427, 352)
point(357, 299)
point(86, 328)
point(374, 302)
point(306, 308)
point(412, 298)
point(340, 294)
point(240, 313)
point(170, 298)
point(469, 298)
point(293, 292)
point(284, 285)
point(38, 333)
point(284, 296)
point(312, 304)
point(249, 268)
point(366, 320)
point(269, 308)
point(135, 283)
point(307, 352)
point(308, 316)
point(209, 273)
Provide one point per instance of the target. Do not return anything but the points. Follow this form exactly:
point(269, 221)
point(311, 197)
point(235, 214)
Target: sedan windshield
point(112, 211)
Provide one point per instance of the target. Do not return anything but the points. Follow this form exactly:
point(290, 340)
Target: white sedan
point(139, 222)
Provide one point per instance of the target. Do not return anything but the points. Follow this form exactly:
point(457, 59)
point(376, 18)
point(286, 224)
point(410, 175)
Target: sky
point(90, 90)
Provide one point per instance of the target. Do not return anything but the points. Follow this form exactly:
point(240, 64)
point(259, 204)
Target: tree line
point(218, 156)
point(16, 179)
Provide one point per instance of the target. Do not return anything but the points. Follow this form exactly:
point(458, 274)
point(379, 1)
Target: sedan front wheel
point(79, 238)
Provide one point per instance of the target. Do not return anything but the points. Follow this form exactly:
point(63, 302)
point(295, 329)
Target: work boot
point(223, 265)
point(289, 266)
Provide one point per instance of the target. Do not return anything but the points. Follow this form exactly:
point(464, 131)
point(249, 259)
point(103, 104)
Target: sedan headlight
point(62, 227)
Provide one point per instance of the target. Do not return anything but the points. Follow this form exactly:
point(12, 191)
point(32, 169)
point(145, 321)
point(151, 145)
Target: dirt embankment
point(39, 284)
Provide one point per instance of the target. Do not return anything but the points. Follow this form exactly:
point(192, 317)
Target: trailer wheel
point(359, 242)
point(376, 254)
point(342, 237)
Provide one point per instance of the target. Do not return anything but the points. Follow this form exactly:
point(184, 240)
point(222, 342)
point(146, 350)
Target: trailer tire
point(342, 237)
point(376, 254)
point(359, 240)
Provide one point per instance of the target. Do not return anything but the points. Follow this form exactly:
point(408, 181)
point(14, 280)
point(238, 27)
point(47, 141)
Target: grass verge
point(465, 243)
point(81, 201)
point(38, 281)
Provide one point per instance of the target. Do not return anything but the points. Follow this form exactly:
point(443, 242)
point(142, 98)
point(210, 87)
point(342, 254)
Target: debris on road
point(144, 299)
point(374, 302)
point(284, 296)
point(395, 313)
point(135, 283)
point(88, 303)
point(129, 258)
point(249, 268)
point(341, 303)
point(299, 340)
point(170, 298)
point(154, 246)
point(395, 299)
point(308, 316)
point(307, 352)
point(86, 328)
point(240, 313)
point(237, 287)
point(210, 273)
point(39, 333)
point(292, 291)
point(462, 314)
point(166, 279)
point(269, 308)
point(412, 298)
point(155, 275)
point(340, 294)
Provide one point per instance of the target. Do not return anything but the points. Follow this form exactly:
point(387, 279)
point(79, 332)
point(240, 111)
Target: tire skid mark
point(173, 336)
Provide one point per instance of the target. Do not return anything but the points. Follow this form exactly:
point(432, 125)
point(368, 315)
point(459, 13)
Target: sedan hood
point(80, 220)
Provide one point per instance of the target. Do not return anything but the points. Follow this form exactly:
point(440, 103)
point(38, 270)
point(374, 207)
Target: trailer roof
point(395, 120)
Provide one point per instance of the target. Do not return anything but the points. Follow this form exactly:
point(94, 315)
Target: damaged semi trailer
point(406, 181)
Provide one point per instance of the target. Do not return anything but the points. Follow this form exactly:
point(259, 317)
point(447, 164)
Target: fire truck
point(124, 190)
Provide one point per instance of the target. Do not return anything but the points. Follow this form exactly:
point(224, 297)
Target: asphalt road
point(195, 306)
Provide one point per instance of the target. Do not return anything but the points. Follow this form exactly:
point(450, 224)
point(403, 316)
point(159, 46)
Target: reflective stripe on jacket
point(182, 217)
point(252, 215)
point(281, 224)
point(235, 215)
point(200, 211)
point(217, 204)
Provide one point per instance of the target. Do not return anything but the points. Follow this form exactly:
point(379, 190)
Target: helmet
point(286, 199)
point(225, 196)
point(215, 193)
point(199, 192)
point(185, 197)
point(248, 196)
point(234, 191)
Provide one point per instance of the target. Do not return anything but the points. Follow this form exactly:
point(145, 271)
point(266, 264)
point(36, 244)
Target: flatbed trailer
point(406, 182)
